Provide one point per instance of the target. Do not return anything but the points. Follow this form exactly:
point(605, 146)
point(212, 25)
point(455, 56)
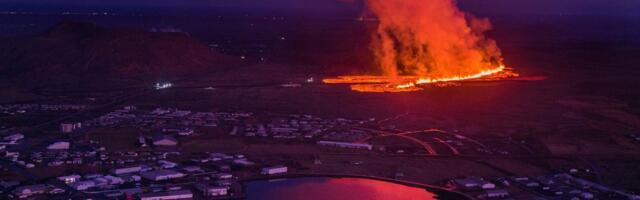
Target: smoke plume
point(430, 38)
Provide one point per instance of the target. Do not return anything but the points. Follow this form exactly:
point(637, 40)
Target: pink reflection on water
point(349, 188)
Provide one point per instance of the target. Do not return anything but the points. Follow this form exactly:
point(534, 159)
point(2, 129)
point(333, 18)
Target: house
point(142, 141)
point(224, 176)
point(128, 178)
point(59, 146)
point(211, 191)
point(180, 131)
point(274, 170)
point(4, 185)
point(14, 137)
point(243, 162)
point(186, 132)
point(167, 164)
point(170, 195)
point(496, 193)
point(66, 127)
point(193, 169)
point(164, 140)
point(82, 185)
point(30, 190)
point(162, 174)
point(69, 127)
point(473, 183)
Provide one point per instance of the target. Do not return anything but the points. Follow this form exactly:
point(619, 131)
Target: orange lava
point(415, 83)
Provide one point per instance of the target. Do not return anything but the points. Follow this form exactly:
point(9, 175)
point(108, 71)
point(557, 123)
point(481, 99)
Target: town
point(156, 162)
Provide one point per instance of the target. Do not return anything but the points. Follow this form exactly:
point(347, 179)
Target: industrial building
point(126, 170)
point(274, 170)
point(171, 195)
point(346, 145)
point(160, 175)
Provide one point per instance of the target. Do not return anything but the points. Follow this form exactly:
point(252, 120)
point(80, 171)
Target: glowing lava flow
point(484, 73)
point(413, 83)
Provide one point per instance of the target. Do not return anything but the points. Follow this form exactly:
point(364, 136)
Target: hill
point(74, 50)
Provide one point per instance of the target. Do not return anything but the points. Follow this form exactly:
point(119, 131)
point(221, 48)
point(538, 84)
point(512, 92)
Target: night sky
point(597, 7)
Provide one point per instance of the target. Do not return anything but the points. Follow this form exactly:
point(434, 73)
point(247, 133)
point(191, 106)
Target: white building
point(274, 170)
point(59, 146)
point(69, 179)
point(167, 164)
point(164, 140)
point(224, 176)
point(82, 185)
point(14, 137)
point(497, 193)
point(346, 145)
point(243, 162)
point(126, 170)
point(30, 190)
point(211, 191)
point(162, 174)
point(171, 195)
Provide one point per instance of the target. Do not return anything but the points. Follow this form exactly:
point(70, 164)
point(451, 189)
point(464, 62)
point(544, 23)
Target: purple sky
point(613, 7)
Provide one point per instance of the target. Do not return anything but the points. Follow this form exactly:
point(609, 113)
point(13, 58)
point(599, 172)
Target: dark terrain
point(78, 51)
point(582, 111)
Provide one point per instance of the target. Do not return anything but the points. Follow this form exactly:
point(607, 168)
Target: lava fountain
point(420, 42)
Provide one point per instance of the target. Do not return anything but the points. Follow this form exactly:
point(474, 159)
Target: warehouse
point(171, 195)
point(162, 174)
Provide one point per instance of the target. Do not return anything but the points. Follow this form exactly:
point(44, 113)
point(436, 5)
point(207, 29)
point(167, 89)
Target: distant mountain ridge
point(71, 49)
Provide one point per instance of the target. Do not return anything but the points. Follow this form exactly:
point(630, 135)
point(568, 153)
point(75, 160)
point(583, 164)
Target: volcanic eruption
point(426, 41)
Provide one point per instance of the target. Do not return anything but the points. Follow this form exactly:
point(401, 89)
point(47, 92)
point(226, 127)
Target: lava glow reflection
point(338, 188)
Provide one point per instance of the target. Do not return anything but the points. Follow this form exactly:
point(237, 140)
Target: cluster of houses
point(27, 191)
point(568, 186)
point(13, 109)
point(293, 127)
point(207, 175)
point(162, 117)
point(12, 139)
point(634, 137)
point(555, 186)
point(13, 156)
point(486, 188)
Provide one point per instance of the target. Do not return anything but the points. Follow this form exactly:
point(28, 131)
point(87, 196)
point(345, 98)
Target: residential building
point(164, 140)
point(59, 146)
